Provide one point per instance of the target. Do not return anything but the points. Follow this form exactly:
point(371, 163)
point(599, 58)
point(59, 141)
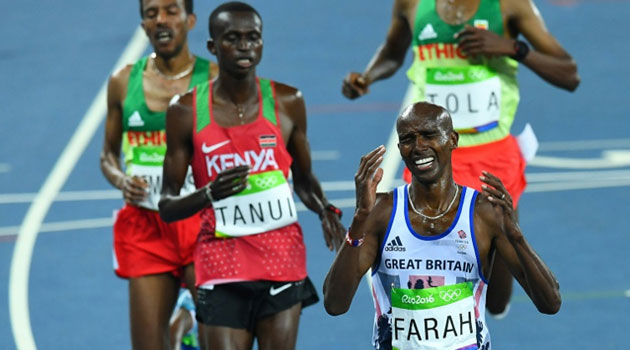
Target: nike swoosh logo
point(275, 291)
point(208, 149)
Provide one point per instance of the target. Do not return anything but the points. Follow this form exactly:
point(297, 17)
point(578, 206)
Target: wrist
point(354, 242)
point(208, 194)
point(120, 182)
point(520, 50)
point(330, 208)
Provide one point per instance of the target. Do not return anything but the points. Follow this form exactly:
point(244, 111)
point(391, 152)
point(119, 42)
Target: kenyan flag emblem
point(266, 141)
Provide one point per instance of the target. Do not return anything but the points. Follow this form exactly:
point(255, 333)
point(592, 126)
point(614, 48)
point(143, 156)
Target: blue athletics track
point(58, 290)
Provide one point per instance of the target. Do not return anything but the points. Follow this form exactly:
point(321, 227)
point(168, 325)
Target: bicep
point(530, 23)
point(400, 32)
point(179, 147)
point(113, 120)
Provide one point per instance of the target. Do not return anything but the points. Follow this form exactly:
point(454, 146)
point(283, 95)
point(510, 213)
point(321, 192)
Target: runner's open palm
point(367, 179)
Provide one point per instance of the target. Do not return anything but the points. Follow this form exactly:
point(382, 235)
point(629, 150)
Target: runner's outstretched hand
point(367, 179)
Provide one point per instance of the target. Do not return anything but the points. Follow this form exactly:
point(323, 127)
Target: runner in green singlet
point(154, 256)
point(466, 54)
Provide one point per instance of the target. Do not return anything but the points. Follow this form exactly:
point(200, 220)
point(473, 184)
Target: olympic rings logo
point(477, 74)
point(266, 182)
point(450, 294)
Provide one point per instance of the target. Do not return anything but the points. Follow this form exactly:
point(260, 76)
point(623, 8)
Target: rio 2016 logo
point(406, 299)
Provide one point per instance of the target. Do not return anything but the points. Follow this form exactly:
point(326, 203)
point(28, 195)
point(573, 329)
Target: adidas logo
point(427, 32)
point(136, 120)
point(395, 245)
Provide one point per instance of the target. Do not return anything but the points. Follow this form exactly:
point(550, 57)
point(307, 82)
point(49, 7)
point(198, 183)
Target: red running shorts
point(144, 244)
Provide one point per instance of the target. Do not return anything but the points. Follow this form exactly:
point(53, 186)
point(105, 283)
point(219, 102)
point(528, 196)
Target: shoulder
point(519, 8)
point(181, 105)
point(287, 93)
point(120, 78)
point(383, 208)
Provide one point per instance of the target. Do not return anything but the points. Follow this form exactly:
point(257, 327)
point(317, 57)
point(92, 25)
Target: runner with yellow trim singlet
point(153, 255)
point(430, 245)
point(243, 134)
point(466, 55)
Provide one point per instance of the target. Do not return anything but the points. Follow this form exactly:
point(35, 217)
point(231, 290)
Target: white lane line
point(325, 155)
point(22, 253)
point(62, 226)
point(583, 145)
point(391, 160)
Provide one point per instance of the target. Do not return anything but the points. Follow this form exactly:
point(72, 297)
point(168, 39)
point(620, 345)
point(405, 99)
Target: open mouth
point(424, 163)
point(244, 62)
point(163, 36)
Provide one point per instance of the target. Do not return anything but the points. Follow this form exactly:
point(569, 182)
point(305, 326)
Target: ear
point(454, 139)
point(144, 28)
point(191, 20)
point(211, 46)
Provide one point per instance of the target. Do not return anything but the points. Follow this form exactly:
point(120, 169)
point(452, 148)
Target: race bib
point(266, 204)
point(147, 163)
point(439, 318)
point(472, 95)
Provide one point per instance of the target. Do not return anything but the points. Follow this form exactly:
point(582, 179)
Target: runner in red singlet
point(243, 135)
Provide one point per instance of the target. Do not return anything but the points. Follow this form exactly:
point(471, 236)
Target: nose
point(243, 44)
point(161, 16)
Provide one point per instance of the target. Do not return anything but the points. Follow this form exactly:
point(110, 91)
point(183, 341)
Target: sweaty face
point(166, 24)
point(425, 145)
point(238, 41)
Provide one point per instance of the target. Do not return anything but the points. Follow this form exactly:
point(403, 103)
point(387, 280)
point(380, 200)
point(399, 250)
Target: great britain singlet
point(253, 235)
point(429, 291)
point(144, 136)
point(480, 93)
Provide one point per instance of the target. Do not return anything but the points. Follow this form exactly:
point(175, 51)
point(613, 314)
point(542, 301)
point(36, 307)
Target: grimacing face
point(426, 141)
point(238, 41)
point(166, 24)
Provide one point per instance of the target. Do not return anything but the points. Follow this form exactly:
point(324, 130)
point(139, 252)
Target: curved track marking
point(23, 251)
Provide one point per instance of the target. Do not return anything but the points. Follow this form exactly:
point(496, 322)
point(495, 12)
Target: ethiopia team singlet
point(144, 136)
point(429, 291)
point(253, 235)
point(480, 93)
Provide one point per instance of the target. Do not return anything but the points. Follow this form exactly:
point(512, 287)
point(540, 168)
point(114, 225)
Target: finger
point(378, 176)
point(368, 160)
point(231, 176)
point(468, 30)
point(492, 180)
point(348, 91)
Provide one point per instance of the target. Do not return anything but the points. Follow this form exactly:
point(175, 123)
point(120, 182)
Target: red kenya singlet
point(253, 235)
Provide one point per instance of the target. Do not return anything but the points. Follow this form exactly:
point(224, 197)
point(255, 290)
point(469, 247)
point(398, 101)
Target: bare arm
point(527, 267)
point(305, 184)
point(388, 57)
point(132, 187)
point(547, 58)
point(351, 263)
point(179, 126)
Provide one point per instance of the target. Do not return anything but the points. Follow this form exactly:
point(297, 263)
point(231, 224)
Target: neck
point(238, 90)
point(174, 64)
point(433, 195)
